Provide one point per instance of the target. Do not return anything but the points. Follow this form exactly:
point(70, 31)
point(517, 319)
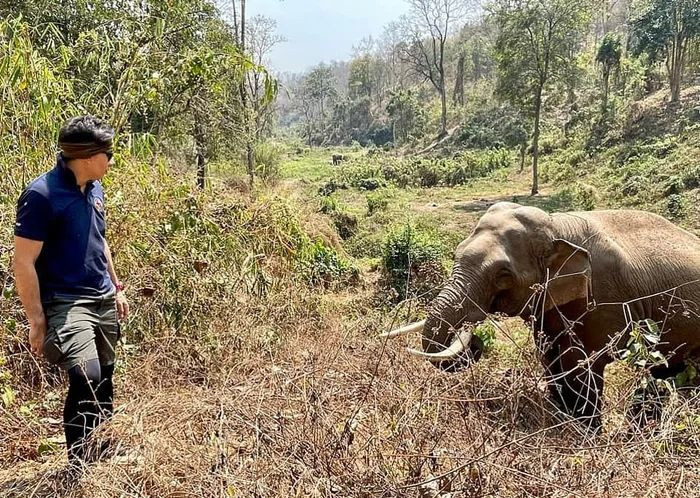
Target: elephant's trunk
point(462, 301)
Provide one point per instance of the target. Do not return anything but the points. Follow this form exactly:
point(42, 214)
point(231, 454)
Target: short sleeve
point(33, 216)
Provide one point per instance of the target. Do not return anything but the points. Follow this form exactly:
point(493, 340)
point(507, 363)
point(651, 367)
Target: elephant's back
point(636, 230)
point(644, 244)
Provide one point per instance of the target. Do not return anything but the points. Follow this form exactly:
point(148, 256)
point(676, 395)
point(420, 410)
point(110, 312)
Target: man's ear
point(569, 274)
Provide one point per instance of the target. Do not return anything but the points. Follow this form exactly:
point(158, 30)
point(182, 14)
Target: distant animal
point(594, 275)
point(338, 158)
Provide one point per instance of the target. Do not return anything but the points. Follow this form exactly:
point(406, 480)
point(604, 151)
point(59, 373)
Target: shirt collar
point(68, 175)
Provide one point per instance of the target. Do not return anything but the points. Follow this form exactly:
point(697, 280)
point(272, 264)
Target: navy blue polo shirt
point(71, 224)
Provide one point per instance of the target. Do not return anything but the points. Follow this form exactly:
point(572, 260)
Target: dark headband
point(83, 150)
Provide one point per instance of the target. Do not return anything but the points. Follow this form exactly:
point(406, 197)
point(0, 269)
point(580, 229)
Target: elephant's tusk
point(455, 349)
point(406, 329)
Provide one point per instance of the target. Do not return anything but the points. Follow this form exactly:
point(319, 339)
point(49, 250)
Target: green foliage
point(536, 43)
point(609, 52)
point(664, 31)
point(268, 160)
point(486, 334)
point(371, 173)
point(493, 127)
point(577, 197)
point(345, 223)
point(406, 114)
point(641, 348)
point(662, 22)
point(675, 206)
point(322, 265)
point(412, 261)
point(377, 201)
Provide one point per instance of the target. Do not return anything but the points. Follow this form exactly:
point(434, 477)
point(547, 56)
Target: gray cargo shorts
point(81, 328)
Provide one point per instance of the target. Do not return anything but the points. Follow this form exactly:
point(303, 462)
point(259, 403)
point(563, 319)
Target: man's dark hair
point(86, 130)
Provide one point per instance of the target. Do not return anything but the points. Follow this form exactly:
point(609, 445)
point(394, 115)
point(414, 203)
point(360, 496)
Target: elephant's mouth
point(464, 350)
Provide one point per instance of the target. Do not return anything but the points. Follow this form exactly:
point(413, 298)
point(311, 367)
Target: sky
point(323, 30)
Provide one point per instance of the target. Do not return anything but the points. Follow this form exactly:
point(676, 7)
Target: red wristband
point(119, 286)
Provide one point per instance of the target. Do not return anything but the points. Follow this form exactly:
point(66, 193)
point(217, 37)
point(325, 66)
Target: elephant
point(338, 158)
point(583, 279)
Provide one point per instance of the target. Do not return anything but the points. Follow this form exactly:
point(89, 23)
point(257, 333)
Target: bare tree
point(262, 38)
point(427, 28)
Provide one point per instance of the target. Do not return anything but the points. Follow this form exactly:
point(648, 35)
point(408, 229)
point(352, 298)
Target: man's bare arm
point(26, 253)
point(122, 303)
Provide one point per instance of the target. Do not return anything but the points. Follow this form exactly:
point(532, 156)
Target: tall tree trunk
point(676, 68)
point(250, 164)
point(536, 139)
point(201, 162)
point(458, 97)
point(443, 101)
point(606, 87)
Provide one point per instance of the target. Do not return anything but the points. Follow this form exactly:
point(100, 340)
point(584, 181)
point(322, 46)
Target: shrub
point(377, 201)
point(412, 261)
point(331, 186)
point(675, 206)
point(345, 224)
point(328, 204)
point(322, 265)
point(370, 184)
point(575, 197)
point(268, 160)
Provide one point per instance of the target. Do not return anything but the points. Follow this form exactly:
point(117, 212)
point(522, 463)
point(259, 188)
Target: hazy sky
point(323, 30)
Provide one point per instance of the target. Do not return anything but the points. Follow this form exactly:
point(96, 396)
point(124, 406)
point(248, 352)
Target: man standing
point(66, 280)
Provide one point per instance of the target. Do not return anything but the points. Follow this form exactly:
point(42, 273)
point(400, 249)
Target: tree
point(427, 28)
point(535, 47)
point(666, 30)
point(608, 56)
point(315, 97)
point(407, 116)
point(262, 38)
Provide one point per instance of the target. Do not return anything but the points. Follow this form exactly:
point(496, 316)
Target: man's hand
point(122, 306)
point(37, 333)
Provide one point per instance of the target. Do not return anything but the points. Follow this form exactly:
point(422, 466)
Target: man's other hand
point(122, 306)
point(37, 333)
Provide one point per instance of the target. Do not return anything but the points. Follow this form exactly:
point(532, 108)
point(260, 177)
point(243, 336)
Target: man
point(66, 279)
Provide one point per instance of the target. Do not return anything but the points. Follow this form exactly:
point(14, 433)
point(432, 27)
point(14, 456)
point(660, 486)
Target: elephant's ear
point(569, 274)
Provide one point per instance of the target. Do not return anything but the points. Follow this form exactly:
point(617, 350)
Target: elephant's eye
point(504, 279)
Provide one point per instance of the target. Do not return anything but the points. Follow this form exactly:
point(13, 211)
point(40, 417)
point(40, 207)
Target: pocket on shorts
point(52, 348)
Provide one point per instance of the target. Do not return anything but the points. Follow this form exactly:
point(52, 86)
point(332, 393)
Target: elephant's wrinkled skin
point(595, 261)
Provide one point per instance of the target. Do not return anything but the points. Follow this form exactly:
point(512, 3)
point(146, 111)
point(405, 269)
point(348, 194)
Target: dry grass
point(325, 409)
point(225, 390)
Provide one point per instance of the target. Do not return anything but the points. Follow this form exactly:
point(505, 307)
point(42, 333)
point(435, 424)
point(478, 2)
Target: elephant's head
point(512, 249)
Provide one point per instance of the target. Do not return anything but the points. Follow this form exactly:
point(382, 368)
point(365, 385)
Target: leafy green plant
point(322, 265)
point(486, 334)
point(268, 160)
point(377, 201)
point(675, 205)
point(412, 261)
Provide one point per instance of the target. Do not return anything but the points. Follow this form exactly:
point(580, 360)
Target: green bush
point(370, 184)
point(331, 186)
point(373, 172)
point(328, 204)
point(675, 206)
point(412, 261)
point(577, 197)
point(323, 266)
point(377, 201)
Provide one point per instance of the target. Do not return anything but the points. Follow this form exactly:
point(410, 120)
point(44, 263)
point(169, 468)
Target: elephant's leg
point(575, 379)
